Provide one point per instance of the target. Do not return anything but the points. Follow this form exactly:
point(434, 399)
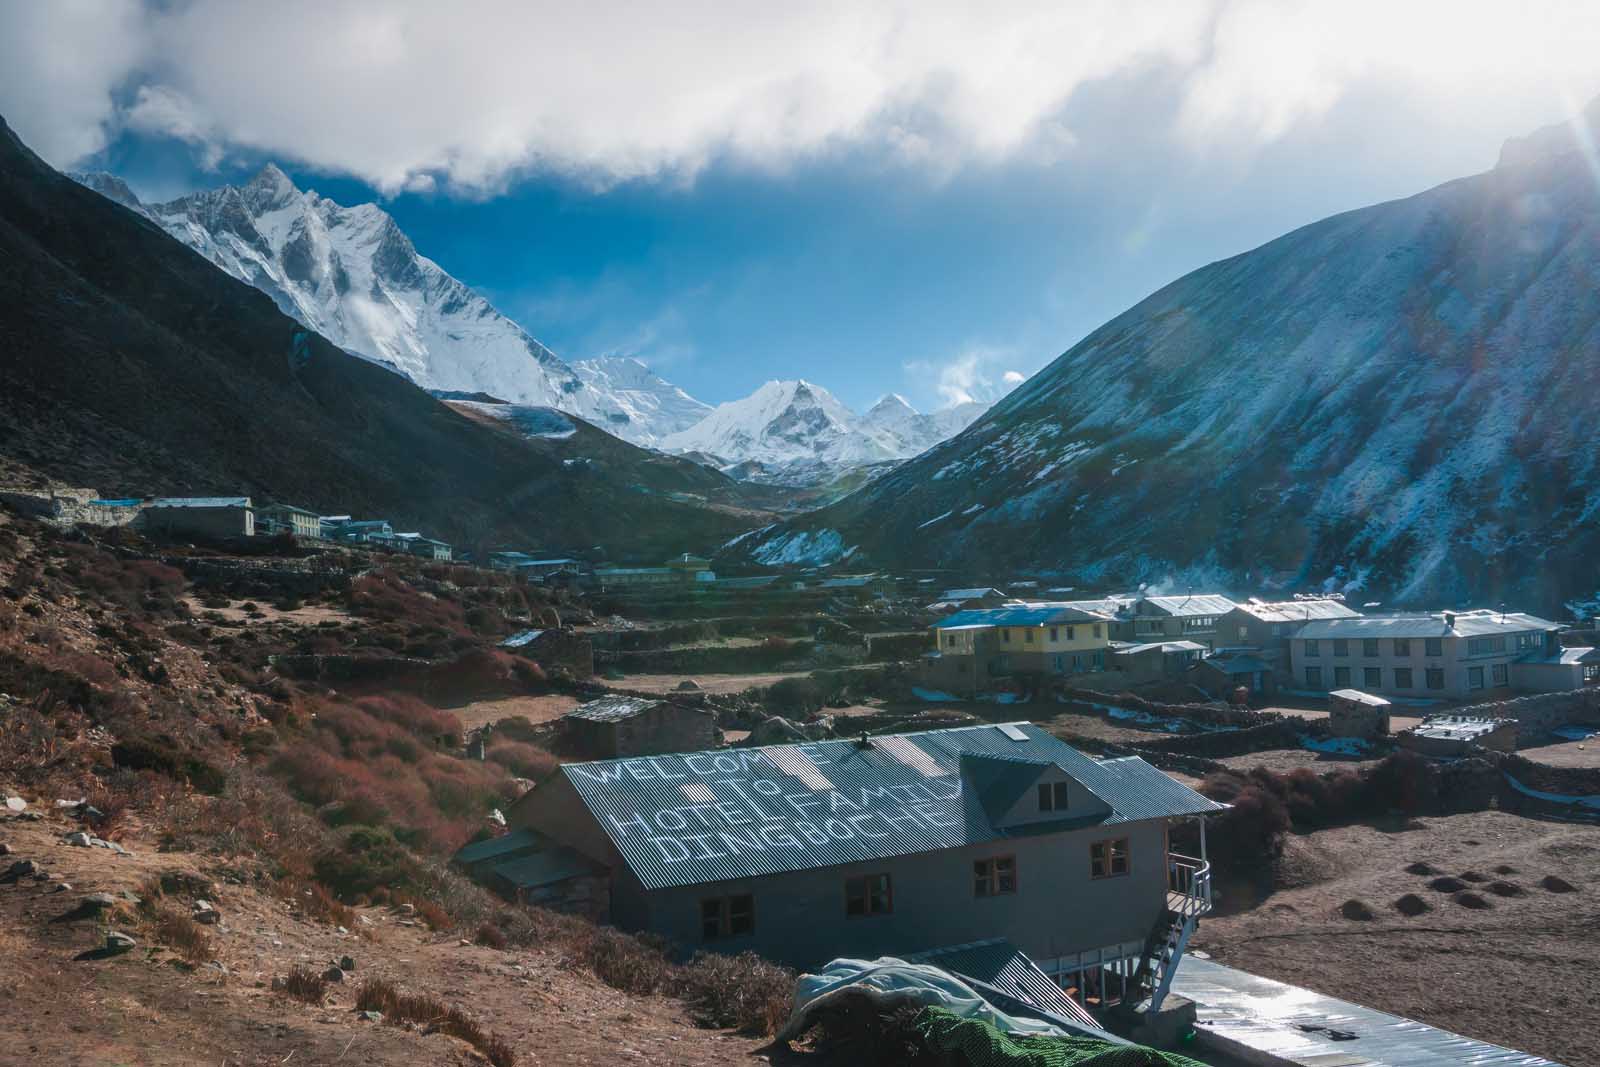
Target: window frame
point(1341, 677)
point(1435, 673)
point(1372, 677)
point(1402, 647)
point(725, 916)
point(1403, 678)
point(1369, 648)
point(1475, 678)
point(1341, 648)
point(1314, 677)
point(1499, 675)
point(1313, 648)
point(1053, 796)
point(866, 896)
point(1114, 848)
point(1433, 647)
point(988, 878)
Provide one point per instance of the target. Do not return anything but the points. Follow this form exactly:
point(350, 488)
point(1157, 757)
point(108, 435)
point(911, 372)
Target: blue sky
point(912, 206)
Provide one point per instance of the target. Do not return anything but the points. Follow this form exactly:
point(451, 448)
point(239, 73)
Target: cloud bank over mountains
point(418, 95)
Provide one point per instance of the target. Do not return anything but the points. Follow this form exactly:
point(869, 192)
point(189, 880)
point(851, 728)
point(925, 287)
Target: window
point(1057, 664)
point(1108, 859)
point(1402, 677)
point(1312, 648)
point(1053, 796)
point(1341, 676)
point(868, 895)
point(1005, 635)
point(1402, 646)
point(1591, 674)
point(994, 877)
point(1433, 646)
point(1313, 677)
point(1435, 678)
point(1499, 675)
point(1097, 629)
point(1027, 636)
point(1341, 647)
point(1070, 634)
point(1369, 647)
point(1372, 677)
point(1474, 677)
point(1244, 633)
point(1483, 646)
point(949, 640)
point(727, 916)
point(1530, 641)
point(1055, 634)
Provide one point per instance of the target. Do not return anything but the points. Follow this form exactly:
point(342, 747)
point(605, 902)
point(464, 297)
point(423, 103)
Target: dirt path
point(533, 708)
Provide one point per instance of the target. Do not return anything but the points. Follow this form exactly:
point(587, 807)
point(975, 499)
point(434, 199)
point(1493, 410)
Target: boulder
point(16, 804)
point(21, 869)
point(497, 817)
point(334, 974)
point(117, 941)
point(79, 839)
point(5, 849)
point(99, 902)
point(688, 685)
point(205, 913)
point(347, 963)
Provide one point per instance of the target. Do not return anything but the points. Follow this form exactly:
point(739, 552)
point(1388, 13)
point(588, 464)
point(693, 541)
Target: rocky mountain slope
point(1398, 400)
point(352, 275)
point(135, 366)
point(796, 432)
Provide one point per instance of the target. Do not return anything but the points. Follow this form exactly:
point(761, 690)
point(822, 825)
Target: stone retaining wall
point(1541, 711)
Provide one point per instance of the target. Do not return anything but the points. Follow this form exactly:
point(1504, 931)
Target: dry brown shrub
point(397, 1007)
point(305, 984)
point(743, 991)
point(179, 932)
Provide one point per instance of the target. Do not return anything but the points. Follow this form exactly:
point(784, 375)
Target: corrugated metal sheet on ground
point(1269, 1017)
point(799, 807)
point(999, 963)
point(555, 864)
point(499, 846)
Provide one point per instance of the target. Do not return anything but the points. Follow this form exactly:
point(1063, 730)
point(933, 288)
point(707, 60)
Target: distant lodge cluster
point(217, 518)
point(1250, 650)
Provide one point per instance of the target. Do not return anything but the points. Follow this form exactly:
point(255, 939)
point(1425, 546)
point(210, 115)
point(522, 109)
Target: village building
point(1193, 617)
point(555, 649)
point(973, 649)
point(357, 531)
point(892, 845)
point(276, 519)
point(1153, 660)
point(1559, 670)
point(680, 571)
point(1352, 713)
point(417, 545)
point(1443, 655)
point(614, 727)
point(526, 867)
point(220, 517)
point(1230, 670)
point(1452, 736)
point(1267, 626)
point(975, 597)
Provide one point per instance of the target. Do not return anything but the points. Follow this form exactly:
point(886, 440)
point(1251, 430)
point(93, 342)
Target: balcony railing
point(1188, 885)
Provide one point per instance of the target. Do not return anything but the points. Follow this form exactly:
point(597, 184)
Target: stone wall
point(1541, 711)
point(1284, 733)
point(1212, 714)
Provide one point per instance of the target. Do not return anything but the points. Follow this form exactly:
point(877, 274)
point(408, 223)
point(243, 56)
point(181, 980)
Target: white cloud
point(411, 91)
point(974, 374)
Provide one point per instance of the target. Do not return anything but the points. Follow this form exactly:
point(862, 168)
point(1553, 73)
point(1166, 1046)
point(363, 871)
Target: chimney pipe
point(1449, 620)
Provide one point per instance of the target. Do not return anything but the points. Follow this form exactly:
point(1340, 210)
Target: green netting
point(975, 1043)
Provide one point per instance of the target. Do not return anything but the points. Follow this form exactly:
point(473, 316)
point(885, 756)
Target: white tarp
point(891, 982)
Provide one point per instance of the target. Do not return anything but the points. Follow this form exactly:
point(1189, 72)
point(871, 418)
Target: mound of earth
point(1411, 904)
point(1422, 869)
point(1447, 884)
point(1556, 884)
point(1505, 868)
point(1357, 911)
point(1507, 889)
point(1473, 901)
point(1473, 876)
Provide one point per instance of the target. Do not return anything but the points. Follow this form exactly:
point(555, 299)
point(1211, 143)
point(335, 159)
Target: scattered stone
point(1473, 876)
point(99, 901)
point(42, 875)
point(132, 898)
point(16, 804)
point(20, 869)
point(117, 941)
point(1411, 904)
point(464, 941)
point(1473, 901)
point(31, 816)
point(278, 983)
point(497, 817)
point(1447, 884)
point(205, 913)
point(341, 930)
point(1505, 868)
point(79, 803)
point(408, 909)
point(1356, 911)
point(364, 920)
point(64, 887)
point(1556, 884)
point(1507, 889)
point(5, 849)
point(371, 1016)
point(347, 963)
point(1422, 869)
point(334, 974)
point(78, 839)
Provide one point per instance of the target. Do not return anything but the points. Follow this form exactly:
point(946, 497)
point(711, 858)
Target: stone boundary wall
point(1540, 711)
point(1569, 781)
point(1211, 714)
point(1284, 733)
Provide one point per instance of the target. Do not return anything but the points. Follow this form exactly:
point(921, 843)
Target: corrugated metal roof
point(200, 502)
point(1289, 1024)
point(969, 594)
point(1356, 696)
point(522, 637)
point(612, 708)
point(1165, 646)
point(1241, 663)
point(1018, 615)
point(1467, 624)
point(797, 807)
point(554, 864)
point(999, 963)
point(479, 851)
point(1193, 605)
point(1298, 610)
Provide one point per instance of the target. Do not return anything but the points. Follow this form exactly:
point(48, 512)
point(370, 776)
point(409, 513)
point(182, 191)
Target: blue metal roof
point(698, 817)
point(1018, 615)
point(201, 502)
point(546, 867)
point(498, 846)
point(998, 963)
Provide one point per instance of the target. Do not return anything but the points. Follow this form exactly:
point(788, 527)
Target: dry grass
point(305, 984)
point(398, 1006)
point(743, 991)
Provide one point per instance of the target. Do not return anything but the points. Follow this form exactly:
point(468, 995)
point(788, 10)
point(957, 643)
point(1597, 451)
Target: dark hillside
point(132, 365)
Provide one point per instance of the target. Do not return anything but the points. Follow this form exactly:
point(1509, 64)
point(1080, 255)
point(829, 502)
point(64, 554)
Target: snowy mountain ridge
point(352, 275)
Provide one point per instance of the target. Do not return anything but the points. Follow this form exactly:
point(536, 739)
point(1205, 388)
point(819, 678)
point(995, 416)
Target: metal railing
point(1189, 879)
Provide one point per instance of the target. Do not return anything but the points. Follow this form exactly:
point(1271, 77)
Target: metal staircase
point(1188, 898)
